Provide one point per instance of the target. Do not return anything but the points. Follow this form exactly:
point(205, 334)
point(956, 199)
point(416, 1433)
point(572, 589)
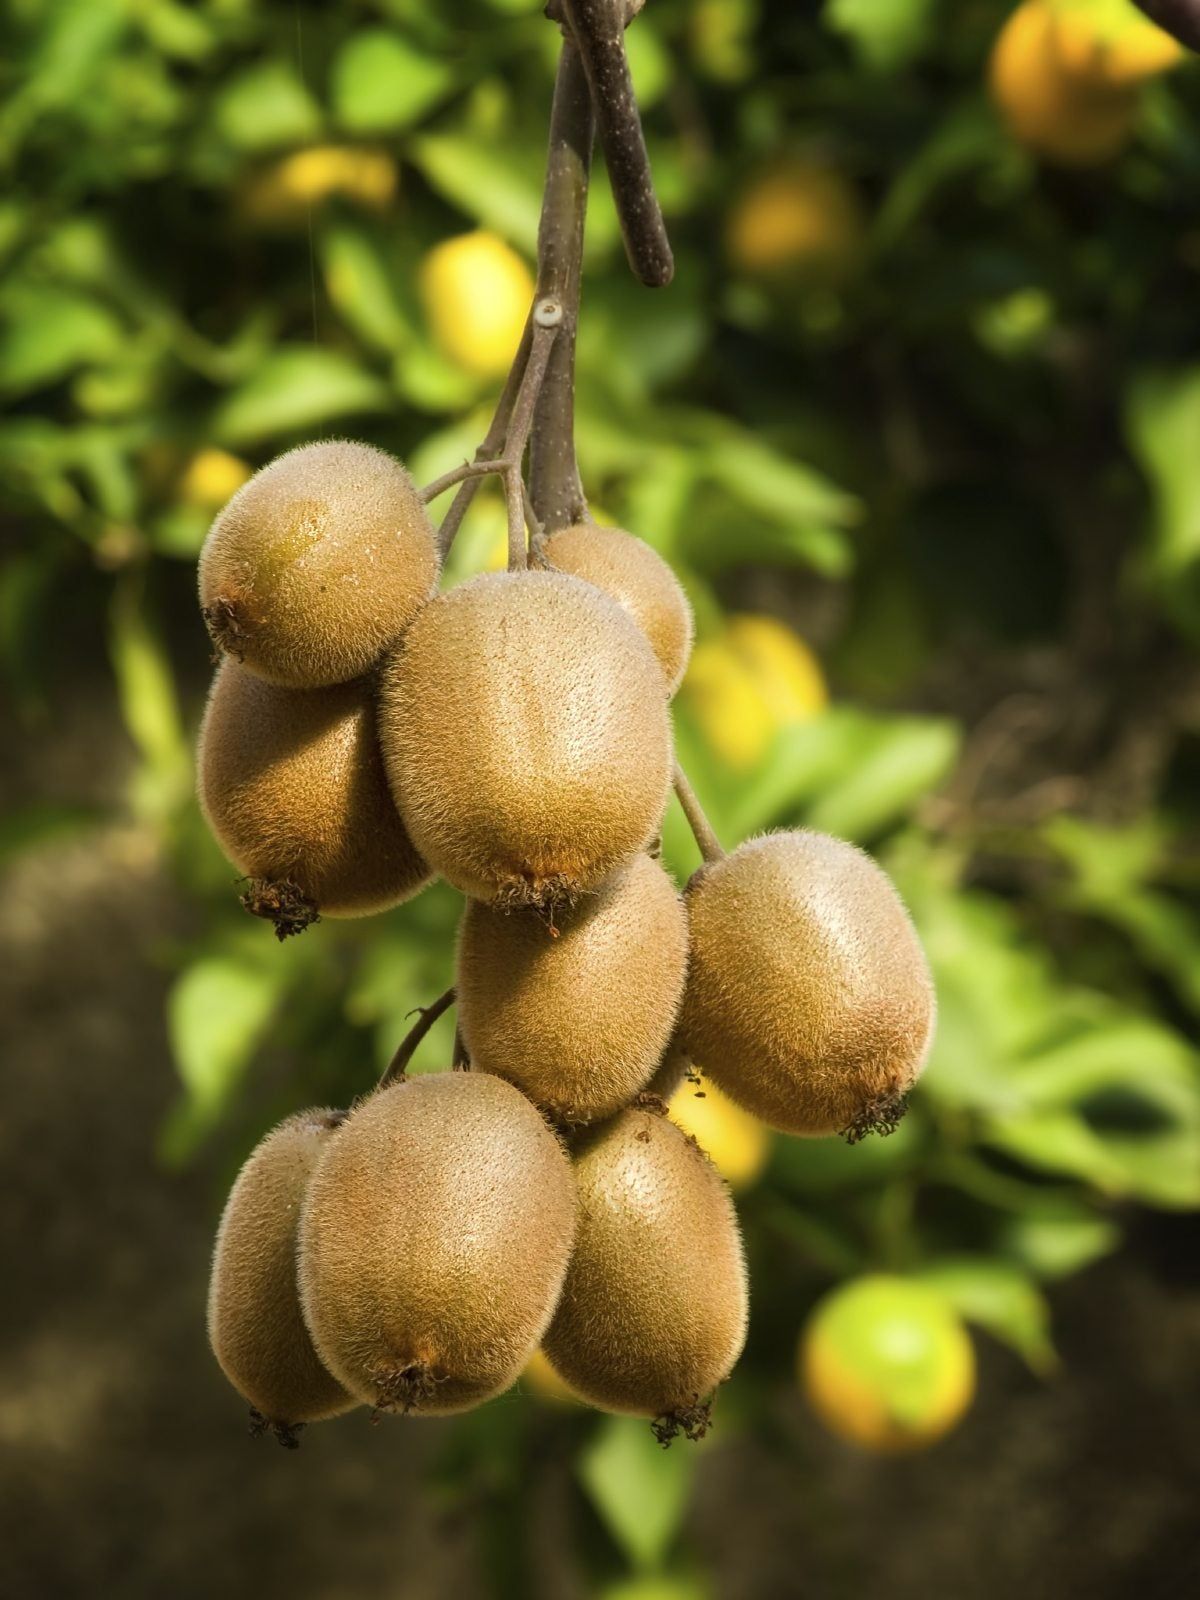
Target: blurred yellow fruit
point(285, 191)
point(211, 477)
point(1065, 80)
point(477, 293)
point(737, 1143)
point(542, 1380)
point(744, 686)
point(887, 1363)
point(797, 216)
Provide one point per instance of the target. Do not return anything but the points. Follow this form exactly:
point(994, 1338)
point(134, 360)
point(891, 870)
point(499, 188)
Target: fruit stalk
point(599, 29)
point(555, 486)
point(407, 1048)
point(702, 829)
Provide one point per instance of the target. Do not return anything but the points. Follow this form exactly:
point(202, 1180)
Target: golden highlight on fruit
point(318, 564)
point(653, 1312)
point(433, 1243)
point(255, 1325)
point(797, 216)
point(809, 999)
point(736, 1143)
point(887, 1364)
point(577, 1021)
point(1050, 97)
point(752, 680)
point(626, 568)
point(525, 731)
point(292, 785)
point(477, 292)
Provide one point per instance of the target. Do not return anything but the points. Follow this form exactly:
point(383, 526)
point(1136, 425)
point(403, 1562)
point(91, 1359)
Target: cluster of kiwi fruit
point(365, 733)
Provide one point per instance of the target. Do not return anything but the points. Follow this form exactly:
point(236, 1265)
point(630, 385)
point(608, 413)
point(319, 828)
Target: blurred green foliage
point(973, 450)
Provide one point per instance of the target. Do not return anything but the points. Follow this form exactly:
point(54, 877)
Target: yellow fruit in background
point(477, 292)
point(795, 216)
point(742, 687)
point(1064, 77)
point(540, 1379)
point(211, 477)
point(887, 1363)
point(737, 1143)
point(286, 190)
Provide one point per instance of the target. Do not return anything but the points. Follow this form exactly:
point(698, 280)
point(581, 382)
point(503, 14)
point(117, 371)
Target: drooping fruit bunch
point(512, 735)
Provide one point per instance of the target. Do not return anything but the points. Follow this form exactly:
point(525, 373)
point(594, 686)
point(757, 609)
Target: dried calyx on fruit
point(809, 1000)
point(318, 564)
point(525, 731)
point(293, 787)
point(255, 1325)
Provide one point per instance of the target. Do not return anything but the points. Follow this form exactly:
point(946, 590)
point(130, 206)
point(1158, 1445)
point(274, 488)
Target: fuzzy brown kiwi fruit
point(626, 567)
point(578, 1021)
point(292, 784)
point(433, 1242)
point(255, 1325)
point(809, 999)
point(318, 564)
point(653, 1312)
point(524, 726)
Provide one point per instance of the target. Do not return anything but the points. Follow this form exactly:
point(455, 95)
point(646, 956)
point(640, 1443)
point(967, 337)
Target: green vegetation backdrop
point(963, 461)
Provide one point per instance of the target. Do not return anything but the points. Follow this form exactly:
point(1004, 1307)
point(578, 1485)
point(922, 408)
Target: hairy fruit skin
point(809, 999)
point(626, 568)
point(292, 785)
point(579, 1020)
point(433, 1242)
point(318, 564)
point(255, 1325)
point(653, 1312)
point(525, 731)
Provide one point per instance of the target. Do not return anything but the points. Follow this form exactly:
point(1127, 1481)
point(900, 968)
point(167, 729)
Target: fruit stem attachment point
point(702, 829)
point(407, 1049)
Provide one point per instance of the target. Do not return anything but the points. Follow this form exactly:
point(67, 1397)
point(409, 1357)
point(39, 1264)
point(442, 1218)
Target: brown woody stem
point(407, 1049)
point(702, 828)
point(492, 442)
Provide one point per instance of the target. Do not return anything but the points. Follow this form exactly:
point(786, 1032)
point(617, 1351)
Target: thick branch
point(408, 1045)
point(702, 828)
point(599, 29)
point(555, 487)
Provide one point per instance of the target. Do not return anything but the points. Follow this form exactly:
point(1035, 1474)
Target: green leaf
point(297, 387)
point(48, 332)
point(886, 33)
point(149, 705)
point(266, 107)
point(1001, 1298)
point(486, 182)
point(910, 758)
point(1057, 1239)
point(639, 1489)
point(1162, 420)
point(360, 286)
point(380, 83)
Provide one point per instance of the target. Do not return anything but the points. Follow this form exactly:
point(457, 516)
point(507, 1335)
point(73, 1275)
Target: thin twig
point(702, 828)
point(599, 30)
point(460, 474)
point(408, 1045)
point(492, 442)
point(554, 483)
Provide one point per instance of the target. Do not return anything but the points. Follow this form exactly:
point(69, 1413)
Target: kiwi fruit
point(578, 1021)
point(809, 999)
point(653, 1311)
point(525, 732)
point(672, 1070)
point(292, 784)
point(626, 568)
point(318, 564)
point(433, 1242)
point(255, 1325)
